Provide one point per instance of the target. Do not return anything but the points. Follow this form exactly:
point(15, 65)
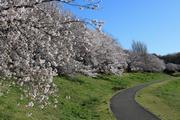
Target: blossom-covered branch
point(6, 5)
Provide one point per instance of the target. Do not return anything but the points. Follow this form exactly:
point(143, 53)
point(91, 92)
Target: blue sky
point(154, 22)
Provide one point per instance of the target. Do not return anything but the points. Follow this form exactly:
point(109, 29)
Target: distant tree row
point(171, 58)
point(140, 60)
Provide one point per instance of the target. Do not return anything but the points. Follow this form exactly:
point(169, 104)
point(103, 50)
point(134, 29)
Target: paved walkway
point(124, 106)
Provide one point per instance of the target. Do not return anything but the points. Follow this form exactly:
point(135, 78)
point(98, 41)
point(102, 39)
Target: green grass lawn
point(80, 97)
point(176, 74)
point(163, 99)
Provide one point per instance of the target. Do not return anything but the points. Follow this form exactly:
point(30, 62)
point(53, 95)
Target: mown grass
point(80, 97)
point(163, 99)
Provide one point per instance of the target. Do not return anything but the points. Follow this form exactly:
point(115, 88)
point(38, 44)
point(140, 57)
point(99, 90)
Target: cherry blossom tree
point(140, 60)
point(35, 38)
point(39, 40)
point(105, 55)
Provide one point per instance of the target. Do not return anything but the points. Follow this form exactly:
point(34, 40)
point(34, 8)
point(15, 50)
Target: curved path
point(124, 106)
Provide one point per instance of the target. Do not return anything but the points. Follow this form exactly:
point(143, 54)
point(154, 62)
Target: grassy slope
point(89, 98)
point(163, 99)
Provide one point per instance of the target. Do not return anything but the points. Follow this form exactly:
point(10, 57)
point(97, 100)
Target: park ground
point(162, 99)
point(80, 97)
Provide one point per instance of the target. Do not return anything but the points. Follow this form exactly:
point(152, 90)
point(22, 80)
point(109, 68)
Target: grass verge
point(162, 99)
point(80, 97)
